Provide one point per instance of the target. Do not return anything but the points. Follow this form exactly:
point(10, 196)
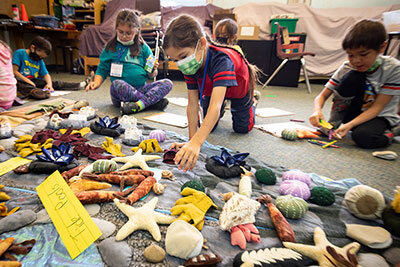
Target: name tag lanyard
point(117, 68)
point(202, 89)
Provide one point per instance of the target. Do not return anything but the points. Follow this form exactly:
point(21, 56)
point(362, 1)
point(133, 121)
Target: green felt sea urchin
point(266, 176)
point(322, 196)
point(291, 207)
point(195, 184)
point(289, 134)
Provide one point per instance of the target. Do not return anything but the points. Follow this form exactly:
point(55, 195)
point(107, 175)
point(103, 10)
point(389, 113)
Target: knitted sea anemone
point(291, 207)
point(60, 155)
point(195, 184)
point(297, 175)
point(88, 112)
point(106, 122)
point(159, 135)
point(54, 122)
point(266, 176)
point(295, 188)
point(226, 159)
point(322, 196)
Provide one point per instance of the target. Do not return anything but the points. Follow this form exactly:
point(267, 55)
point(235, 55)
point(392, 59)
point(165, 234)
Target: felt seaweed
point(60, 155)
point(43, 135)
point(92, 152)
point(69, 137)
point(228, 160)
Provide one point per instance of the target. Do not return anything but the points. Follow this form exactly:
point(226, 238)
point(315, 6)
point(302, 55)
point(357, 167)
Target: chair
point(289, 56)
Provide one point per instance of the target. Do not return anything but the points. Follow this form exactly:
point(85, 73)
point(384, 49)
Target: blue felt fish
point(226, 159)
point(61, 155)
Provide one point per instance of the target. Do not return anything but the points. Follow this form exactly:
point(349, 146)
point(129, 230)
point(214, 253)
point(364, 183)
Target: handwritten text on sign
point(75, 226)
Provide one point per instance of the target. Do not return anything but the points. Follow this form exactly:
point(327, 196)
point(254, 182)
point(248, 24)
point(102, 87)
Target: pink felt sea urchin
point(160, 135)
point(297, 175)
point(295, 188)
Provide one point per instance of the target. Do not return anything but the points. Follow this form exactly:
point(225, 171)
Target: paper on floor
point(169, 119)
point(179, 101)
point(272, 112)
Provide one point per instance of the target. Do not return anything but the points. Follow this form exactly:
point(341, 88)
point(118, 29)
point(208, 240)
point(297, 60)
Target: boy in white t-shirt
point(366, 89)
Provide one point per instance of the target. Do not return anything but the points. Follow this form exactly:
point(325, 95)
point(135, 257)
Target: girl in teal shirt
point(124, 59)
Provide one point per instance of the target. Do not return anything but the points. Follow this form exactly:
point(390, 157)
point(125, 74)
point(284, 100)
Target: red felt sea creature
point(92, 152)
point(305, 133)
point(241, 234)
point(142, 190)
point(92, 197)
point(72, 172)
point(282, 227)
point(145, 173)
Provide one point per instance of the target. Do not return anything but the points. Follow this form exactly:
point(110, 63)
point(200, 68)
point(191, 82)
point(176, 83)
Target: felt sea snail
point(159, 135)
point(167, 174)
point(365, 202)
point(159, 188)
point(291, 207)
point(289, 134)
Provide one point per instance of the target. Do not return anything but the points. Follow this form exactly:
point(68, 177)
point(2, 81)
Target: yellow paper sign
point(73, 223)
point(11, 164)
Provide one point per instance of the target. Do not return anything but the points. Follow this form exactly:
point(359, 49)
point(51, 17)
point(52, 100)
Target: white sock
point(82, 85)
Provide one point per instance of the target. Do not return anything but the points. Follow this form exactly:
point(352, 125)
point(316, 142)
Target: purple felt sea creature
point(226, 159)
point(297, 175)
point(60, 155)
point(159, 135)
point(169, 155)
point(295, 188)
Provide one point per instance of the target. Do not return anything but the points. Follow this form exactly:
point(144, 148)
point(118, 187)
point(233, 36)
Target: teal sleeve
point(17, 59)
point(146, 51)
point(42, 69)
point(103, 69)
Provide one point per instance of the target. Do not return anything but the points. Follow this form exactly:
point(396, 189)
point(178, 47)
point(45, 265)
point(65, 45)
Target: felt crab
point(60, 155)
point(226, 159)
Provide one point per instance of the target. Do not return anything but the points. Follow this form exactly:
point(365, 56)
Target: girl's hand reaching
point(187, 155)
point(315, 118)
point(91, 86)
point(177, 146)
point(342, 130)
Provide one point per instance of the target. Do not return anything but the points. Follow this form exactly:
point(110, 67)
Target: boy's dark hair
point(229, 27)
point(42, 44)
point(130, 17)
point(366, 33)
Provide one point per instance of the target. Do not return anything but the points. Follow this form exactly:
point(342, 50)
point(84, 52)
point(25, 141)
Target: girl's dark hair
point(42, 44)
point(226, 28)
point(130, 17)
point(185, 31)
point(366, 33)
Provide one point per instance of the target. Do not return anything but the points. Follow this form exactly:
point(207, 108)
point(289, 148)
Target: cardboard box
point(248, 32)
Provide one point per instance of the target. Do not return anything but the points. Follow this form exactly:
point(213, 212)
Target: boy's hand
point(91, 86)
point(342, 130)
point(315, 118)
point(50, 87)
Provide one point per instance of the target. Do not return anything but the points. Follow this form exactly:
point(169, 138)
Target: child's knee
point(364, 139)
point(241, 129)
point(167, 83)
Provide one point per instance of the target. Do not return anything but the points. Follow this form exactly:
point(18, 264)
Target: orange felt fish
point(304, 133)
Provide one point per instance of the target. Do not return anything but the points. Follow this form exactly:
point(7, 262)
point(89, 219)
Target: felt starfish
point(325, 253)
point(143, 218)
point(135, 160)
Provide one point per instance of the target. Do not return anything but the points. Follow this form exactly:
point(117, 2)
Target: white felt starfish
point(143, 218)
point(319, 251)
point(136, 159)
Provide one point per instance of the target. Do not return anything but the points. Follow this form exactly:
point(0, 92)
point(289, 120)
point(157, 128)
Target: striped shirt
point(385, 80)
point(225, 68)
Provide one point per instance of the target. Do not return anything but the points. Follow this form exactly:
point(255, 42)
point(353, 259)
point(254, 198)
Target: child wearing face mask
point(215, 74)
point(366, 89)
point(31, 72)
point(124, 59)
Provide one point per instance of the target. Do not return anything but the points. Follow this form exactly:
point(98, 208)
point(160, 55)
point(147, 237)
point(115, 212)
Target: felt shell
point(160, 135)
point(289, 134)
point(297, 175)
point(238, 210)
point(158, 188)
point(295, 188)
point(364, 202)
point(322, 196)
point(291, 207)
point(104, 166)
point(265, 176)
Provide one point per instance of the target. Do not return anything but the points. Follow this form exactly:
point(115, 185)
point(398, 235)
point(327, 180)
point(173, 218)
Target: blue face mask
point(189, 65)
point(128, 43)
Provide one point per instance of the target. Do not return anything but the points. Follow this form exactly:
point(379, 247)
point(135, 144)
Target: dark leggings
point(24, 88)
point(369, 134)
